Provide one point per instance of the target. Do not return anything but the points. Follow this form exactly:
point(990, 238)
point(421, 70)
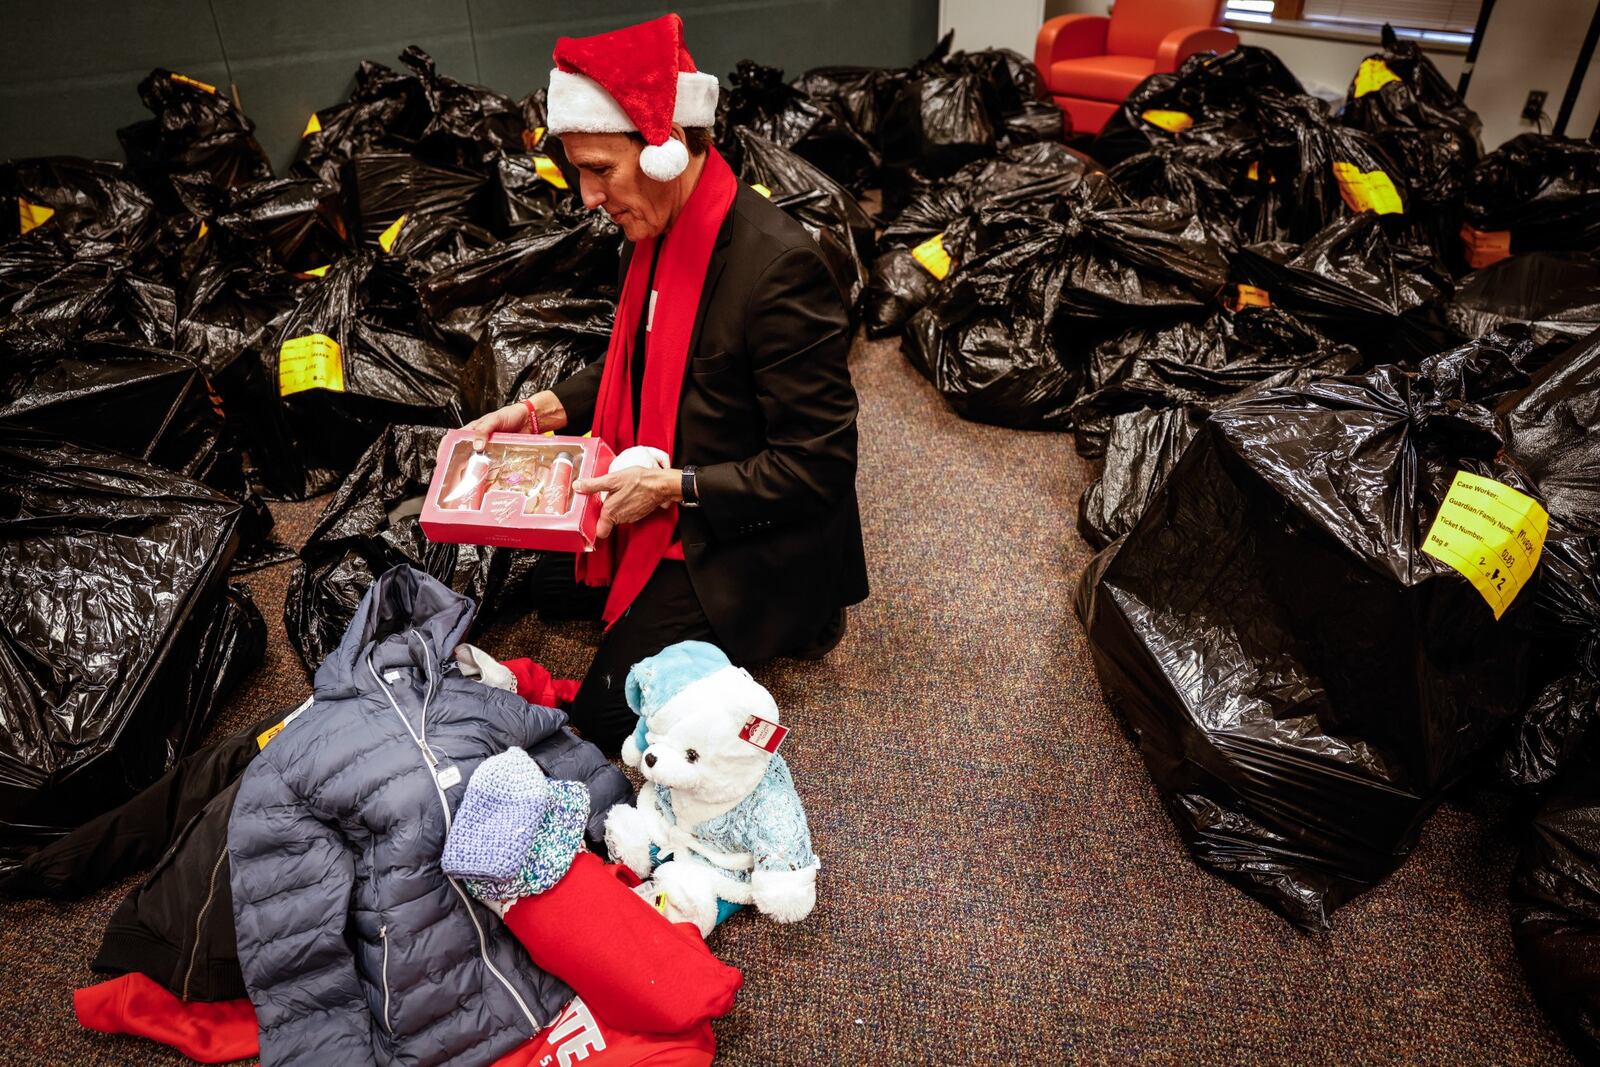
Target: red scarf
point(626, 560)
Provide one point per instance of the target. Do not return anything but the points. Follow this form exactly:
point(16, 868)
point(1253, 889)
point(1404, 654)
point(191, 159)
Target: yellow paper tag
point(762, 189)
point(387, 238)
point(268, 734)
point(546, 168)
point(1491, 534)
point(1171, 121)
point(204, 229)
point(185, 79)
point(1251, 297)
point(1370, 190)
point(30, 215)
point(1373, 75)
point(313, 125)
point(661, 903)
point(1484, 248)
point(315, 272)
point(934, 259)
point(310, 362)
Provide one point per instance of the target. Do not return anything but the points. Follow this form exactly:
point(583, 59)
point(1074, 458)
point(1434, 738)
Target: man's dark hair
point(696, 138)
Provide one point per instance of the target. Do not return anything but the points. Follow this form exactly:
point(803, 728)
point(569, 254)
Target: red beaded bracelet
point(533, 416)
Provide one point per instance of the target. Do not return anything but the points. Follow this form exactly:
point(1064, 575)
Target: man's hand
point(632, 494)
point(513, 418)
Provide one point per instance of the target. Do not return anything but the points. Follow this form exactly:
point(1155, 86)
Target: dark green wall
point(69, 69)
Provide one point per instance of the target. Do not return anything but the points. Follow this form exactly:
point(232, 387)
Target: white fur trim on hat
point(729, 690)
point(578, 104)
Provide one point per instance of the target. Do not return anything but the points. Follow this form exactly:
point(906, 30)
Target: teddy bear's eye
point(691, 755)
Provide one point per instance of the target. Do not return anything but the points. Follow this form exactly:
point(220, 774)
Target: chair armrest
point(1069, 37)
point(1186, 41)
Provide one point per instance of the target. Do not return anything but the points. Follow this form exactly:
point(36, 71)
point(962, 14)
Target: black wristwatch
point(691, 489)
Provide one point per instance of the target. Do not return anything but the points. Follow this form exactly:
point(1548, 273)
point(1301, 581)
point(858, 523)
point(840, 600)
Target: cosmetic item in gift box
point(516, 493)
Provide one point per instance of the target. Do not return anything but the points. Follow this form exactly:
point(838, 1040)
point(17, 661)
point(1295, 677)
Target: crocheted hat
point(513, 817)
point(639, 78)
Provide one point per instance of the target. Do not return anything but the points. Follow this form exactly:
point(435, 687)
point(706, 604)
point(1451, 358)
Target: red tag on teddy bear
point(763, 734)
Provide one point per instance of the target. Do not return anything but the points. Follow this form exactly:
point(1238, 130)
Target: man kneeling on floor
point(730, 513)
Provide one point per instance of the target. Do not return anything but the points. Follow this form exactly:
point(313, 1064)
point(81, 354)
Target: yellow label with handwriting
point(1492, 534)
point(1171, 121)
point(387, 238)
point(197, 83)
point(762, 189)
point(310, 362)
point(1373, 75)
point(1252, 297)
point(546, 168)
point(1370, 190)
point(313, 125)
point(934, 259)
point(30, 215)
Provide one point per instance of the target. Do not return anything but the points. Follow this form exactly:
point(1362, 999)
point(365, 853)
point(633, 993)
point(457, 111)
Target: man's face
point(610, 179)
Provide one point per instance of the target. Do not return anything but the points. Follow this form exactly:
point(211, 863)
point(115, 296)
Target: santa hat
point(639, 78)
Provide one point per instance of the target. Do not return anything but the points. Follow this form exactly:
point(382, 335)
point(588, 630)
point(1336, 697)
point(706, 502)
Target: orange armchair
point(1091, 62)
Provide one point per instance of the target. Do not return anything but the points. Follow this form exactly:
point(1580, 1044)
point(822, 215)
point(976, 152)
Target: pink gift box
point(516, 493)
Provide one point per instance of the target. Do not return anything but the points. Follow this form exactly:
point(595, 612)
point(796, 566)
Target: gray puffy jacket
point(355, 946)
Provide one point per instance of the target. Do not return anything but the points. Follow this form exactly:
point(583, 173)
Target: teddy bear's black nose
point(649, 759)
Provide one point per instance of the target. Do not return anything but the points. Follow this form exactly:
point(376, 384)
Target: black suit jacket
point(768, 414)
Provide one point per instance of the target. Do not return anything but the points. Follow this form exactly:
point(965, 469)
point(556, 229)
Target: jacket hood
point(403, 600)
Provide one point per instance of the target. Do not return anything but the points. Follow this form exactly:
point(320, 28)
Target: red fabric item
point(626, 560)
point(635, 970)
point(536, 686)
point(638, 66)
point(1108, 78)
point(578, 1037)
point(134, 1004)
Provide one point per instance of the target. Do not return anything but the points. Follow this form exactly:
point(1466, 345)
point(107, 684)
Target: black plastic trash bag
point(938, 121)
point(1141, 448)
point(532, 342)
point(346, 362)
point(899, 287)
point(1552, 435)
point(386, 108)
point(826, 209)
point(857, 94)
point(385, 186)
point(1400, 98)
point(1198, 364)
point(85, 199)
point(1311, 171)
point(113, 655)
point(1355, 283)
point(291, 224)
point(1557, 294)
point(370, 525)
point(993, 367)
point(1555, 911)
point(196, 130)
point(1303, 680)
point(815, 129)
point(1027, 177)
point(1094, 254)
point(53, 292)
point(156, 405)
point(1201, 178)
point(1536, 193)
point(583, 255)
point(1208, 100)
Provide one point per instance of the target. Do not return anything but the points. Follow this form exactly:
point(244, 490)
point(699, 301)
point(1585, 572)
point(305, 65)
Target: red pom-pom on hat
point(639, 78)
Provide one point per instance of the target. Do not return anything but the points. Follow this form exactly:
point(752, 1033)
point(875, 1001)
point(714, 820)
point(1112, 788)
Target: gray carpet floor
point(1000, 883)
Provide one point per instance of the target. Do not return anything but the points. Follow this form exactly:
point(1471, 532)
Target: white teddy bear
point(718, 821)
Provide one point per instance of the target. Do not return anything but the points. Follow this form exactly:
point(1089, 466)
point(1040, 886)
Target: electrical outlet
point(1535, 105)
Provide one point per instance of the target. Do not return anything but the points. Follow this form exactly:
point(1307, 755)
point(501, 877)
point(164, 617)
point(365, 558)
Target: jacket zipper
point(430, 762)
point(199, 920)
point(383, 936)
